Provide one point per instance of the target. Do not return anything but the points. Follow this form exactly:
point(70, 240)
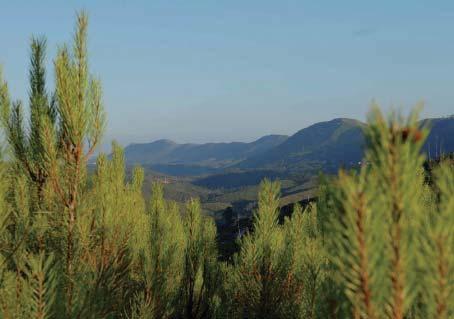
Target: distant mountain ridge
point(322, 146)
point(209, 154)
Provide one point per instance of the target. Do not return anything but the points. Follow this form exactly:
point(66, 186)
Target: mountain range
point(213, 155)
point(321, 146)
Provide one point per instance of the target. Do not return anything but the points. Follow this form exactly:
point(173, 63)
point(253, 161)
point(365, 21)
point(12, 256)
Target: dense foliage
point(379, 242)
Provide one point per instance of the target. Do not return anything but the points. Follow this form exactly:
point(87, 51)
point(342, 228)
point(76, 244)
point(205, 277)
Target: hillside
point(322, 145)
point(339, 142)
point(440, 140)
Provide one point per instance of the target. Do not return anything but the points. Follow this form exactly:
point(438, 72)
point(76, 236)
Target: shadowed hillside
point(440, 139)
point(331, 143)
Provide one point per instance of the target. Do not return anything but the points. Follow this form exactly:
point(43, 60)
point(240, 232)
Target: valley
point(225, 176)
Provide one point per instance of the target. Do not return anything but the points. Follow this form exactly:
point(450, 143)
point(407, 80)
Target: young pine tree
point(177, 262)
point(385, 246)
point(200, 269)
point(27, 276)
point(279, 269)
point(160, 258)
point(27, 148)
point(437, 253)
point(108, 226)
point(68, 146)
point(53, 157)
point(307, 262)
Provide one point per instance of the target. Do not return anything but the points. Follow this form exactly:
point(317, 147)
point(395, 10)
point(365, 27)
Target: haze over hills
point(209, 154)
point(322, 146)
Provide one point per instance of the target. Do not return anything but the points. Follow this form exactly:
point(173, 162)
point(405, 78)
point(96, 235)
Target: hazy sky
point(235, 70)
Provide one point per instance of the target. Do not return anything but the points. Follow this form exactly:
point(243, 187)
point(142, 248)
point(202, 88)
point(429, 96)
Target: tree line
point(378, 243)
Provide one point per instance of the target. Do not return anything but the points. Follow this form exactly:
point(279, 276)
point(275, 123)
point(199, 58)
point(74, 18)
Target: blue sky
point(235, 70)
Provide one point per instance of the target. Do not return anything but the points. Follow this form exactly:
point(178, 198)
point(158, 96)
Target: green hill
point(322, 145)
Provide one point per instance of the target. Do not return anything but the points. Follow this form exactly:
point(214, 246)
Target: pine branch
point(42, 280)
